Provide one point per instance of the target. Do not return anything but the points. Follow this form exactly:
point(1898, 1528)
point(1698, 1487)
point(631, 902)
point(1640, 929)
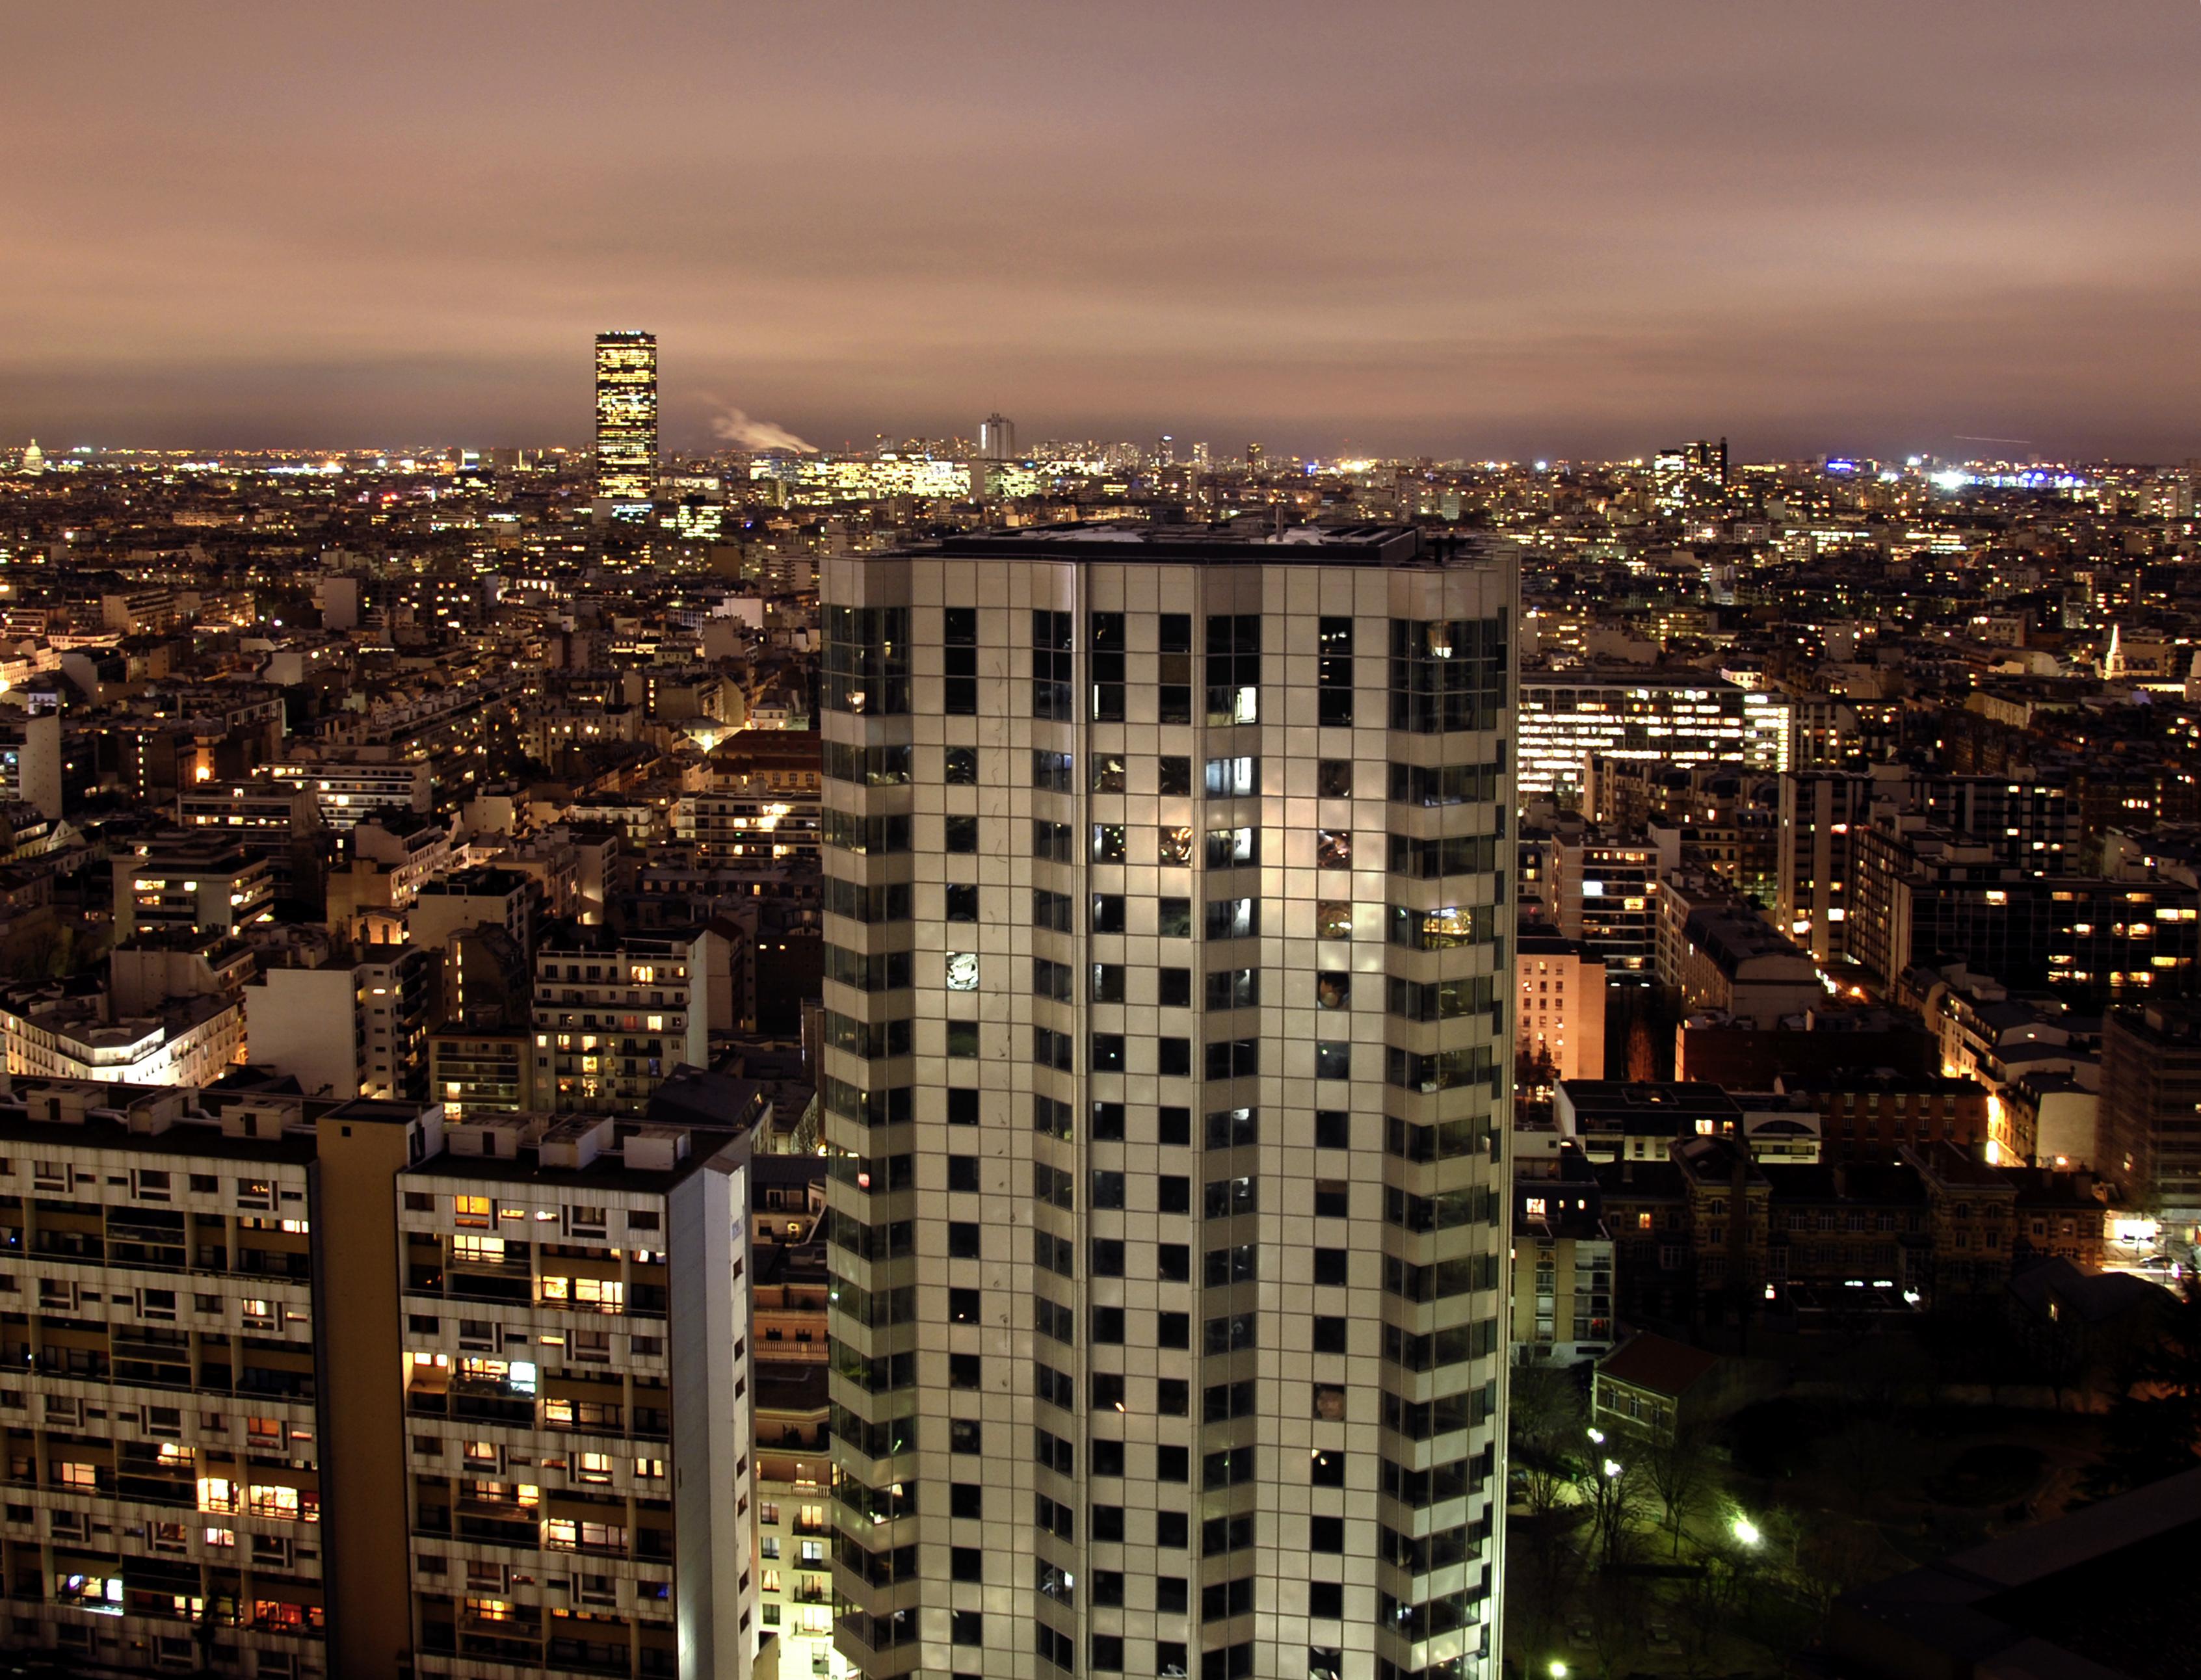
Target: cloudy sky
point(1544, 228)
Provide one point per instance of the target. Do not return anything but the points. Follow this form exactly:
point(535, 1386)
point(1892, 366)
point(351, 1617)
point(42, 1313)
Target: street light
point(1745, 1531)
point(1558, 1670)
point(1611, 1468)
point(1598, 1436)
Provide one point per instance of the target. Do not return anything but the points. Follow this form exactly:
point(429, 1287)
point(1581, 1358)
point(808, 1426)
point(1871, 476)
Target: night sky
point(1538, 228)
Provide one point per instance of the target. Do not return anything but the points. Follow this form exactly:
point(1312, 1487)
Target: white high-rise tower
point(1167, 1083)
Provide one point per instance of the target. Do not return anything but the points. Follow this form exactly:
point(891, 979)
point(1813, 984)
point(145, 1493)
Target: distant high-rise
point(1254, 461)
point(626, 415)
point(997, 438)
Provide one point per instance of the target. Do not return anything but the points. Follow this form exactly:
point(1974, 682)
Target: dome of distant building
point(34, 458)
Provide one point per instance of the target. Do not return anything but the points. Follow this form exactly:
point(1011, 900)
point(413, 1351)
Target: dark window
point(1173, 1057)
point(1173, 988)
point(962, 1172)
point(1173, 1192)
point(964, 1499)
point(1326, 1534)
point(959, 834)
point(1329, 1335)
point(1173, 918)
point(1050, 665)
point(1333, 778)
point(966, 1627)
point(1173, 1262)
point(1174, 780)
point(967, 1563)
point(1234, 989)
point(962, 1239)
point(959, 634)
point(962, 904)
point(961, 767)
point(1107, 912)
point(1330, 1266)
point(1107, 1522)
point(1107, 658)
point(1325, 1599)
point(1334, 671)
point(1173, 1126)
point(1108, 1122)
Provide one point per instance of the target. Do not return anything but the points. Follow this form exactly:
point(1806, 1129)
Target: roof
point(1242, 542)
point(2107, 1593)
point(2098, 1297)
point(1658, 1365)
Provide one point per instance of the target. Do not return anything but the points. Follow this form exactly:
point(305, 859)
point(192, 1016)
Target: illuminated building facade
point(1561, 1016)
point(1168, 1050)
point(614, 1016)
point(627, 416)
point(1677, 719)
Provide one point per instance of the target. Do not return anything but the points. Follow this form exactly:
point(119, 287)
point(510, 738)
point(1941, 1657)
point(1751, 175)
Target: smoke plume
point(735, 427)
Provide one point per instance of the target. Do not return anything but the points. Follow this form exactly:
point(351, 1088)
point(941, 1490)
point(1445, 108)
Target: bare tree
point(1618, 1496)
point(1680, 1470)
point(1548, 1428)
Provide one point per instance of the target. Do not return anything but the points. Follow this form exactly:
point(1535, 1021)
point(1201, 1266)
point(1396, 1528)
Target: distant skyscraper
point(1165, 451)
point(1253, 460)
point(997, 438)
point(626, 415)
point(1166, 1080)
point(1199, 456)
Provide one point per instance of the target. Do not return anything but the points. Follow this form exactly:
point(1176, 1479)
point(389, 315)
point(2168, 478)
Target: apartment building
point(164, 1450)
point(1166, 1041)
point(1604, 891)
point(1560, 1015)
point(191, 880)
point(615, 1014)
point(349, 1028)
point(1562, 1266)
point(578, 1414)
point(255, 1342)
point(182, 1041)
point(283, 806)
point(349, 792)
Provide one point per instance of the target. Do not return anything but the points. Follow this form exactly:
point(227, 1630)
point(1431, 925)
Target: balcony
point(500, 1530)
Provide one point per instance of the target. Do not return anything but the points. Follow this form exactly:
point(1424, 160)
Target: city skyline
point(1625, 228)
